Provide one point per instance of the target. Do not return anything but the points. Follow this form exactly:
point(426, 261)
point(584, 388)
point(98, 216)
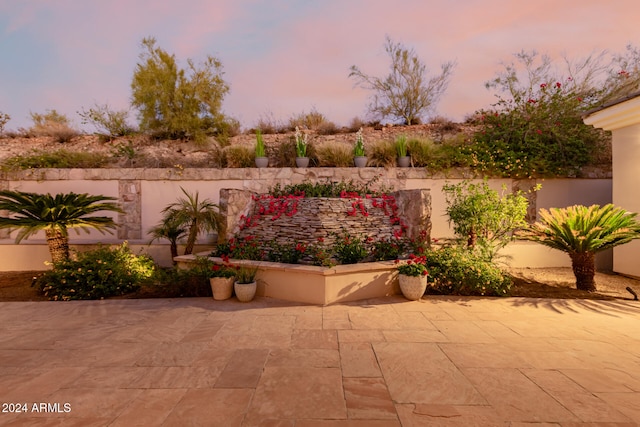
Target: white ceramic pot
point(221, 287)
point(245, 291)
point(412, 287)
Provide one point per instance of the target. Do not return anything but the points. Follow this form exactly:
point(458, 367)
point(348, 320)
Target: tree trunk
point(58, 244)
point(174, 250)
point(473, 238)
point(584, 268)
point(191, 240)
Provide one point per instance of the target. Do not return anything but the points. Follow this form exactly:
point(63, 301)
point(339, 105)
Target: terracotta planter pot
point(221, 287)
point(245, 291)
point(412, 287)
point(262, 162)
point(302, 162)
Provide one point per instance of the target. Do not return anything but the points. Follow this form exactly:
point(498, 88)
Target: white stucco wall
point(623, 120)
point(156, 194)
point(626, 192)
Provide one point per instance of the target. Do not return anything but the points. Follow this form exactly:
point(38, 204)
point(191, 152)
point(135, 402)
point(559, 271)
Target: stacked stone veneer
point(308, 219)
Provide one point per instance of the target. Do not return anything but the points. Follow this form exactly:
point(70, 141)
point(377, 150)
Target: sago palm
point(195, 215)
point(583, 231)
point(32, 212)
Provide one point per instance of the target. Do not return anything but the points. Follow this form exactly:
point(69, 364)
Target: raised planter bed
point(318, 285)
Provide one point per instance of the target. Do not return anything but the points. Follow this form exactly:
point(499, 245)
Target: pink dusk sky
point(283, 57)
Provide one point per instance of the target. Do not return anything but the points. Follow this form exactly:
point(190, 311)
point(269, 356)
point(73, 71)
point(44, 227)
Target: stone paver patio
point(441, 361)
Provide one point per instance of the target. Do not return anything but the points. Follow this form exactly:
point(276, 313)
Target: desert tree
point(407, 93)
point(581, 232)
point(33, 212)
point(4, 119)
point(174, 102)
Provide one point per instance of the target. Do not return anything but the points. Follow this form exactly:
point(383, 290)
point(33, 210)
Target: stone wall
point(401, 213)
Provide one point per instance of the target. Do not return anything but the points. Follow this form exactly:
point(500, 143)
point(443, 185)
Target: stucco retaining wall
point(145, 192)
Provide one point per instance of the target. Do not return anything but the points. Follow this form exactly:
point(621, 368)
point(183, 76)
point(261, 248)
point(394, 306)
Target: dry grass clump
point(238, 156)
point(421, 151)
point(382, 154)
point(334, 154)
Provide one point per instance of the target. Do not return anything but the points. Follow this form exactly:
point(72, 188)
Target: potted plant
point(404, 161)
point(221, 278)
point(262, 161)
point(302, 161)
point(358, 150)
point(413, 277)
point(245, 283)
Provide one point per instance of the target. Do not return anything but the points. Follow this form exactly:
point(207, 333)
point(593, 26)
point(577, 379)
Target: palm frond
point(584, 229)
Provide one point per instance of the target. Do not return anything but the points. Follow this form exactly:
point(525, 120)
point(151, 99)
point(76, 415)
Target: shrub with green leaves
point(288, 253)
point(349, 249)
point(63, 159)
point(536, 127)
point(388, 249)
point(108, 123)
point(179, 103)
point(97, 274)
point(461, 271)
point(482, 216)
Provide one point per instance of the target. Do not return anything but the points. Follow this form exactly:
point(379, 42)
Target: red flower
point(320, 239)
point(532, 101)
point(543, 85)
point(558, 85)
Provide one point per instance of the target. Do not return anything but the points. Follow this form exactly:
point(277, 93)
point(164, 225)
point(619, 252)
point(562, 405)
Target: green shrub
point(460, 271)
point(382, 154)
point(181, 283)
point(334, 154)
point(238, 156)
point(349, 249)
point(63, 159)
point(481, 215)
point(96, 274)
point(179, 103)
point(328, 189)
point(288, 253)
point(108, 123)
point(388, 249)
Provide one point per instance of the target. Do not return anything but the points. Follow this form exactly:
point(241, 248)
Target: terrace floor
point(441, 361)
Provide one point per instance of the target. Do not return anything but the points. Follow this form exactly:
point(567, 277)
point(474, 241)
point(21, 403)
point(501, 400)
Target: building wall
point(145, 192)
point(626, 192)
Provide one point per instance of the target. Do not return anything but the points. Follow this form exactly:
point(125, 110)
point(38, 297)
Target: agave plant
point(581, 232)
point(32, 212)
